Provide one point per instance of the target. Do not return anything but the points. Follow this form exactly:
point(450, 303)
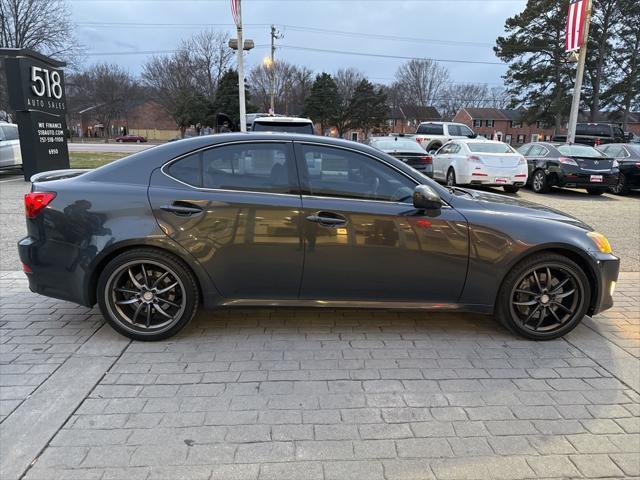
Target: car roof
point(442, 123)
point(283, 119)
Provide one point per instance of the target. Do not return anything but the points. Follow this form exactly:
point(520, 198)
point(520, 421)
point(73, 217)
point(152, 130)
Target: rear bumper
point(583, 180)
point(494, 176)
point(56, 270)
point(606, 268)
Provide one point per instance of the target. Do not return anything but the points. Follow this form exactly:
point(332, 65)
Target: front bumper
point(606, 268)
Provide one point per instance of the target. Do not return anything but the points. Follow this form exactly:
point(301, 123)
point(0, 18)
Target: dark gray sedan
point(405, 149)
point(295, 220)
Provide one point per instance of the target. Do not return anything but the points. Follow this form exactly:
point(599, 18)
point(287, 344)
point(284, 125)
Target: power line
point(381, 55)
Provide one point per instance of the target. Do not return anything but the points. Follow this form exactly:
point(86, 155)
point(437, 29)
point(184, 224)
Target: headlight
point(600, 241)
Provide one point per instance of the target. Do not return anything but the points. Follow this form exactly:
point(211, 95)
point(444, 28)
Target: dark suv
point(596, 134)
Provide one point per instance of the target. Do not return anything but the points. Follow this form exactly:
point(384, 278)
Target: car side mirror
point(426, 198)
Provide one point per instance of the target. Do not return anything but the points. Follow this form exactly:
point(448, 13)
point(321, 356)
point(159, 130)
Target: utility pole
point(575, 103)
point(243, 106)
point(275, 35)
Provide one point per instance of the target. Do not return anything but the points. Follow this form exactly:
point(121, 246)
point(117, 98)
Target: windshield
point(283, 127)
point(480, 147)
point(576, 150)
point(399, 144)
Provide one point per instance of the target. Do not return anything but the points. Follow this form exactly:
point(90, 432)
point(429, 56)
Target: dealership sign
point(36, 92)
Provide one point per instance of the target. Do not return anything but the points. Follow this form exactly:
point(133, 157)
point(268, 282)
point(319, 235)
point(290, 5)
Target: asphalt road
point(617, 217)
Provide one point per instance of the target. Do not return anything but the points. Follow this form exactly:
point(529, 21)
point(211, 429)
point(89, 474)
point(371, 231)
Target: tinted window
point(460, 130)
point(260, 167)
point(490, 147)
point(10, 132)
point(538, 151)
point(524, 150)
point(430, 128)
point(400, 144)
point(615, 151)
point(283, 127)
point(187, 170)
point(577, 150)
point(335, 172)
point(593, 129)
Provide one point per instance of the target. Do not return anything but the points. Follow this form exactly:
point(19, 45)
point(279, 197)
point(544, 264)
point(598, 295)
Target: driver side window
point(334, 172)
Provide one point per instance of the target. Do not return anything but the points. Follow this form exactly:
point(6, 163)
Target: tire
point(539, 182)
point(451, 178)
point(551, 320)
point(622, 187)
point(595, 191)
point(511, 189)
point(157, 294)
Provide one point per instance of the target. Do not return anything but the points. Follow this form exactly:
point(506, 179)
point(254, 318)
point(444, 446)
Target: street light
point(267, 61)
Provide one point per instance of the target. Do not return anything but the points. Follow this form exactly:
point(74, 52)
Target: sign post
point(36, 92)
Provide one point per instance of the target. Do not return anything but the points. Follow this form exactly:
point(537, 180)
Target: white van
point(10, 156)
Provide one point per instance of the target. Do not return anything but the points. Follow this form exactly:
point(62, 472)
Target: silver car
point(10, 156)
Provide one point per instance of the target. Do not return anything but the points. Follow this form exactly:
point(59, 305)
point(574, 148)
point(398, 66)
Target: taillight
point(418, 139)
point(427, 160)
point(35, 202)
point(522, 161)
point(474, 158)
point(568, 161)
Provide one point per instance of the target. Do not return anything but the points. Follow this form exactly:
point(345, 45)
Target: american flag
point(574, 30)
point(234, 10)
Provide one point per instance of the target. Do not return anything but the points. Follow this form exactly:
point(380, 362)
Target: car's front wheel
point(544, 297)
point(147, 294)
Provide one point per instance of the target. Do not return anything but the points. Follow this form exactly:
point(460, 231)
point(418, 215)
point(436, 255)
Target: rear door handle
point(327, 219)
point(182, 209)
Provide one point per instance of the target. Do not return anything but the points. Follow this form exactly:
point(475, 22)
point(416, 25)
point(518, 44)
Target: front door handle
point(328, 219)
point(182, 209)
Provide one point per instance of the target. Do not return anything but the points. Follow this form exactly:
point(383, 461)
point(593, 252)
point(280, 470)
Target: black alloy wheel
point(620, 188)
point(544, 297)
point(147, 294)
point(539, 183)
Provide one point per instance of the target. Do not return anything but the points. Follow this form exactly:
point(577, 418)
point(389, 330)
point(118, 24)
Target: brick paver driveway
point(311, 394)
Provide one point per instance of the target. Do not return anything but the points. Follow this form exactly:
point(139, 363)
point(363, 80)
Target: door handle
point(327, 219)
point(182, 209)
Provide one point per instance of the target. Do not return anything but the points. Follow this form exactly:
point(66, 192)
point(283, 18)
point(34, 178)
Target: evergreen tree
point(539, 77)
point(322, 104)
point(368, 107)
point(227, 98)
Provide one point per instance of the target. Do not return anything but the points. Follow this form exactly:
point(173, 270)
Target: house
point(503, 124)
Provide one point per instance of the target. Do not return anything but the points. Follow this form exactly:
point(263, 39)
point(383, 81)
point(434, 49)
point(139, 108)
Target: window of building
point(507, 138)
point(334, 172)
point(354, 136)
point(489, 123)
point(516, 124)
point(478, 123)
point(521, 138)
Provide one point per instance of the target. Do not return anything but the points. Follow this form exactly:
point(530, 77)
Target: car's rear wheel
point(622, 187)
point(511, 188)
point(539, 183)
point(147, 294)
point(595, 191)
point(451, 177)
point(543, 297)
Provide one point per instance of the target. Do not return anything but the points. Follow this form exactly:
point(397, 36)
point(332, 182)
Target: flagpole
point(243, 107)
point(575, 103)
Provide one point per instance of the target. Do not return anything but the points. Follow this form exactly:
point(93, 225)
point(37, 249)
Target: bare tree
point(347, 81)
point(210, 58)
point(108, 88)
point(44, 26)
point(421, 81)
point(291, 86)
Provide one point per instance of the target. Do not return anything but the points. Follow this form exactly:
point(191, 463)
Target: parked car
point(432, 135)
point(628, 157)
point(573, 166)
point(480, 162)
point(595, 134)
point(237, 220)
point(10, 156)
point(404, 149)
point(283, 124)
point(131, 138)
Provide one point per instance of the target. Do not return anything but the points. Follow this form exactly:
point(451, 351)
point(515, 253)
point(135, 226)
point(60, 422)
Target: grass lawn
point(92, 159)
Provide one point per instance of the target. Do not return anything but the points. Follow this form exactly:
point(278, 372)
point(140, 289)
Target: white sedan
point(480, 162)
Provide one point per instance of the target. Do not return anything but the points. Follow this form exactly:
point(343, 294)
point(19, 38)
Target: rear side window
point(258, 167)
point(459, 131)
point(430, 129)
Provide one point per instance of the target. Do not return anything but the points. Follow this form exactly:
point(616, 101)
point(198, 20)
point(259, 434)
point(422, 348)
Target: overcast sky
point(463, 30)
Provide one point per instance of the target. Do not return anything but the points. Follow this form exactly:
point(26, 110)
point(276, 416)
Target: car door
point(364, 240)
point(236, 208)
point(440, 160)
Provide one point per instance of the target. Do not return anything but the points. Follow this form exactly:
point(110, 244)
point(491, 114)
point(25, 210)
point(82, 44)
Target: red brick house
point(503, 124)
